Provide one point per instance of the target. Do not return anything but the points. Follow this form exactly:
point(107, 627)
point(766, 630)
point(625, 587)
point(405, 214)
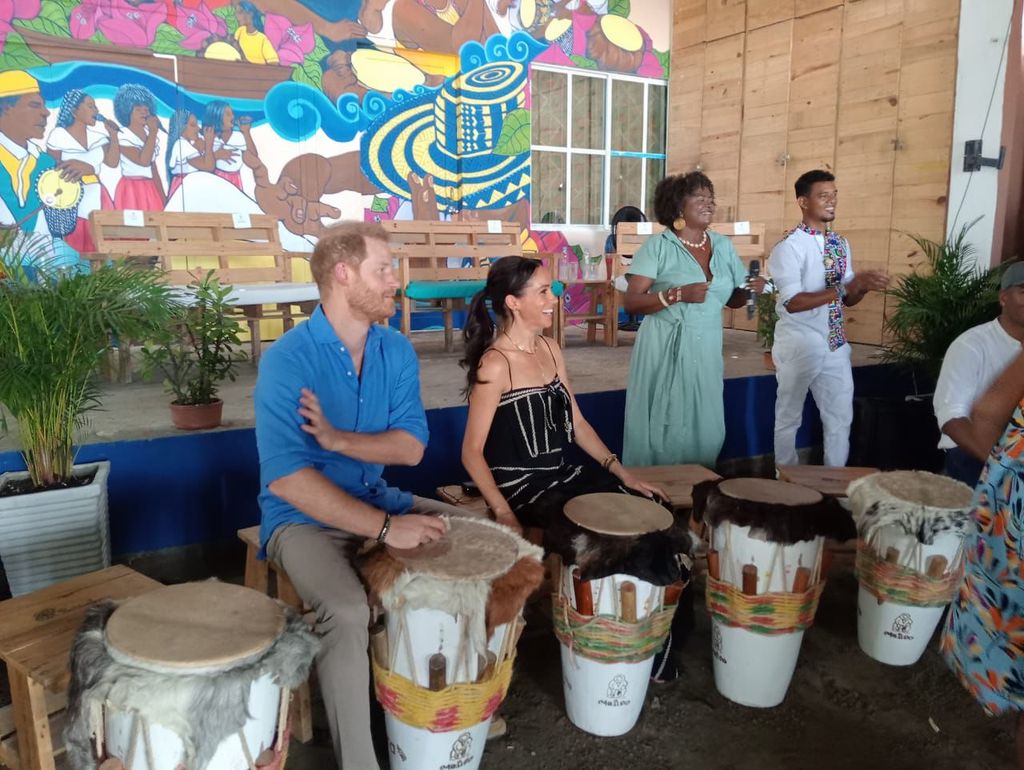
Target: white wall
point(983, 32)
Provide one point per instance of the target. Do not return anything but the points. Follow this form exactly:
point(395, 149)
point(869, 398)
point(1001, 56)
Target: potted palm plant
point(937, 306)
point(767, 317)
point(196, 353)
point(925, 311)
point(56, 325)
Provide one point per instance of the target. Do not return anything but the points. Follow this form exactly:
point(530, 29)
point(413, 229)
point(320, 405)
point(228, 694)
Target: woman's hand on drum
point(414, 529)
point(506, 518)
point(317, 425)
point(639, 485)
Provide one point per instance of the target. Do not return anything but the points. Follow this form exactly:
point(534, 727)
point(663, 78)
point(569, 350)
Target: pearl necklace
point(700, 245)
point(519, 347)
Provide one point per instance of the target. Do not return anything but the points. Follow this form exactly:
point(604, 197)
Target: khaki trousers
point(321, 565)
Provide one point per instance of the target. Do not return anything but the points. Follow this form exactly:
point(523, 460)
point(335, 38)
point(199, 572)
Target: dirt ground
point(843, 710)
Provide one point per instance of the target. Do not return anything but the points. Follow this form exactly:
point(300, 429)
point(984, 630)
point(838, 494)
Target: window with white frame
point(598, 144)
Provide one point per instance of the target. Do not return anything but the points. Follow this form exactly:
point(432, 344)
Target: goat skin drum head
point(611, 513)
point(195, 625)
point(769, 491)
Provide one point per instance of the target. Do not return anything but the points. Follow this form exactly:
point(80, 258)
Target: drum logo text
point(617, 688)
point(460, 753)
point(901, 627)
point(395, 749)
point(716, 645)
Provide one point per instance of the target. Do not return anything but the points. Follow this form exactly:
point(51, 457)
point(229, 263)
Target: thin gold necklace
point(519, 347)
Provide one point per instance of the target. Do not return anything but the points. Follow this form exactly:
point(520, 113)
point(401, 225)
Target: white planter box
point(46, 537)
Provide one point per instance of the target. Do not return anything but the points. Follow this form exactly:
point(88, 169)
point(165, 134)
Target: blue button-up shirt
point(386, 396)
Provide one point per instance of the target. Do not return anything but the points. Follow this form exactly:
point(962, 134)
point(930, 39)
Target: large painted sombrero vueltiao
point(450, 134)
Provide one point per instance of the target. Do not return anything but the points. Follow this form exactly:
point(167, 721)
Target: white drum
point(604, 695)
point(767, 539)
point(755, 669)
point(915, 521)
point(439, 600)
point(606, 698)
point(192, 675)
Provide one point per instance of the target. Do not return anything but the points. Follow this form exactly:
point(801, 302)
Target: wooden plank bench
point(423, 249)
point(258, 574)
point(35, 644)
point(747, 238)
point(825, 479)
point(187, 245)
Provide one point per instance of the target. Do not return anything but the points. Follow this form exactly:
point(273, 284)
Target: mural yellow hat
point(17, 83)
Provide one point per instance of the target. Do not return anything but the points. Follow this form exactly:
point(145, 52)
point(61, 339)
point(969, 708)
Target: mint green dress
point(674, 409)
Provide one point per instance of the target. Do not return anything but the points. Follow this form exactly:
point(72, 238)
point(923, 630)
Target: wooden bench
point(423, 249)
point(186, 245)
point(258, 574)
point(825, 479)
point(36, 632)
point(747, 238)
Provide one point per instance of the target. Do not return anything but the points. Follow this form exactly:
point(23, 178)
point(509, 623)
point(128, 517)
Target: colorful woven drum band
point(769, 614)
point(889, 582)
point(608, 639)
point(457, 707)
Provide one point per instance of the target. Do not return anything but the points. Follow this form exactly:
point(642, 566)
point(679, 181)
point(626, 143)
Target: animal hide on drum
point(921, 504)
point(485, 604)
point(202, 709)
point(775, 522)
point(654, 557)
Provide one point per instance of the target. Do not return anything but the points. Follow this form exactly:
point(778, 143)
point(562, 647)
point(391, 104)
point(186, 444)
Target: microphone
point(755, 271)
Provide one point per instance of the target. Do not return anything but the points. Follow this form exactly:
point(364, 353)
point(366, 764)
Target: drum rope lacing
point(904, 584)
point(770, 613)
point(456, 707)
point(608, 639)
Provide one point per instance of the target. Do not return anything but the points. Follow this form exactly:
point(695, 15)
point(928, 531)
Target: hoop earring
point(678, 224)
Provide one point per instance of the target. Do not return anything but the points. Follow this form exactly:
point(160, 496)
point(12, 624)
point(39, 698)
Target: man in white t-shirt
point(813, 272)
point(973, 361)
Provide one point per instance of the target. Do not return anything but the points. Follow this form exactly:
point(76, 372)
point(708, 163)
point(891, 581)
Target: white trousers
point(807, 364)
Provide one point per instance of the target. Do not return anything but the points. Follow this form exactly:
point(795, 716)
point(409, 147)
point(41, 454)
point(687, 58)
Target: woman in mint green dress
point(680, 280)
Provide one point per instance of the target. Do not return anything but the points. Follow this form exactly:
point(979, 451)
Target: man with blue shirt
point(337, 399)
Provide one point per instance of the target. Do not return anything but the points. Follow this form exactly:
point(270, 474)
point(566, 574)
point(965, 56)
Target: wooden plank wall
point(763, 90)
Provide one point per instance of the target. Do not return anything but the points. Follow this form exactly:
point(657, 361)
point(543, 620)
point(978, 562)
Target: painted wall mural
point(308, 110)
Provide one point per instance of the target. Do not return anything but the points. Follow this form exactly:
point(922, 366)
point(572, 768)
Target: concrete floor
point(139, 410)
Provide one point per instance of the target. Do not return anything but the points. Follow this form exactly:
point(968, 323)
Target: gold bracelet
point(607, 462)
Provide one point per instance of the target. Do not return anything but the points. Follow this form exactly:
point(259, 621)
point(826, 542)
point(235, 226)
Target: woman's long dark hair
point(508, 275)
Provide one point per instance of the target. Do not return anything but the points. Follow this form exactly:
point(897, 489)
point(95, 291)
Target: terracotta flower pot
point(197, 416)
point(769, 363)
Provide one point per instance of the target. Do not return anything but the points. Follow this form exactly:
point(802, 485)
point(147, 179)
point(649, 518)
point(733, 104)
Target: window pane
point(655, 173)
point(587, 189)
point(550, 92)
point(656, 96)
point(627, 116)
point(548, 188)
point(625, 184)
point(587, 112)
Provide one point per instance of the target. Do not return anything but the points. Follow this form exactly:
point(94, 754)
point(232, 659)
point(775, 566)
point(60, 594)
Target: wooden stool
point(35, 643)
point(257, 577)
point(827, 480)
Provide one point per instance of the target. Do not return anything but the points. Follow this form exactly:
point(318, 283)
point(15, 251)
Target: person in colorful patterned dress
point(984, 637)
point(813, 271)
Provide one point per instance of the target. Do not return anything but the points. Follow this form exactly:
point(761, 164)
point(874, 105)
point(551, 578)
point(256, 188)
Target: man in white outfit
point(971, 364)
point(813, 272)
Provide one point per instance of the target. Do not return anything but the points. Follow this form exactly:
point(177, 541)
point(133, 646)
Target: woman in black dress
point(522, 412)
